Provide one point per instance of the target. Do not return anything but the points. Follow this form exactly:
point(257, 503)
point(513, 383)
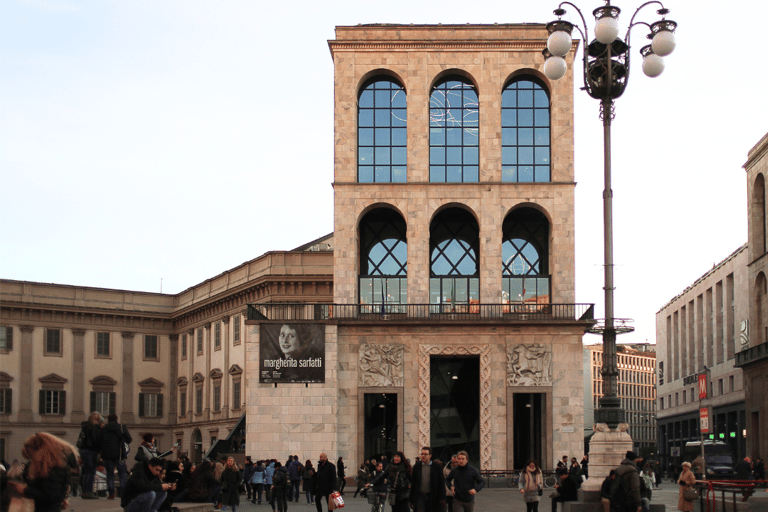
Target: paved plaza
point(488, 500)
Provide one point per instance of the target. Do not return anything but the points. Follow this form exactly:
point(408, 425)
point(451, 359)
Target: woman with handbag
point(398, 478)
point(530, 484)
point(686, 481)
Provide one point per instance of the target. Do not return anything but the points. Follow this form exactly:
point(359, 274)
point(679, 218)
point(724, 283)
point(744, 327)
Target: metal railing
point(725, 493)
point(422, 312)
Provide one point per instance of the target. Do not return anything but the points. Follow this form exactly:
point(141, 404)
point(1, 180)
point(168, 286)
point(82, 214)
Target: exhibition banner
point(292, 353)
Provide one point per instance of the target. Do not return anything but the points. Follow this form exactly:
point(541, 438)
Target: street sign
point(704, 419)
point(702, 386)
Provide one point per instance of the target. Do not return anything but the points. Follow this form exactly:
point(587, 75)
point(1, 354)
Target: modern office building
point(440, 312)
point(697, 332)
point(636, 389)
point(753, 357)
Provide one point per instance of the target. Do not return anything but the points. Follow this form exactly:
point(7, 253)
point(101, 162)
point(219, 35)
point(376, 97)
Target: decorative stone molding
point(182, 382)
point(78, 332)
point(235, 370)
point(198, 377)
point(26, 328)
point(173, 337)
point(529, 365)
point(486, 433)
point(216, 374)
point(128, 335)
point(151, 384)
point(381, 365)
point(103, 380)
point(53, 381)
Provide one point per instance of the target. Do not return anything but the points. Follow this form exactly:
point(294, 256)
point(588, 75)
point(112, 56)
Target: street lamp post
point(606, 72)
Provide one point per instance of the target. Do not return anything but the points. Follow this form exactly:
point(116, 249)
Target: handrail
point(744, 488)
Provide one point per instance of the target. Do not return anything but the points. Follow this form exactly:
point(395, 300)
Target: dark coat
point(141, 480)
point(567, 490)
point(50, 491)
point(629, 478)
point(462, 479)
point(436, 485)
point(92, 439)
point(111, 441)
point(230, 486)
point(325, 479)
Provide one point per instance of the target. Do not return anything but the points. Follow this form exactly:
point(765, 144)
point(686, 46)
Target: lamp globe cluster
point(607, 44)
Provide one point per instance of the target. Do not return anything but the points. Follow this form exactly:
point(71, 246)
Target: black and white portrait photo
point(292, 353)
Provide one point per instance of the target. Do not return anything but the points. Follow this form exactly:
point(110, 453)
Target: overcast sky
point(156, 140)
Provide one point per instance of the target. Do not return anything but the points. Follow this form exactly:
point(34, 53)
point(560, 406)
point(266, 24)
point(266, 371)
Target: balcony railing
point(423, 312)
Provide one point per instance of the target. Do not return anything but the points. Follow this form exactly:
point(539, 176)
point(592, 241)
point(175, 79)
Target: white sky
point(174, 140)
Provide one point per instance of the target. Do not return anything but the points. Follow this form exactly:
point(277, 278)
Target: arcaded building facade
point(753, 358)
point(699, 331)
point(441, 311)
point(453, 323)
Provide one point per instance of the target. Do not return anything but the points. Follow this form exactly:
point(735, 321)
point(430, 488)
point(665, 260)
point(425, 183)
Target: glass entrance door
point(528, 410)
point(455, 407)
point(380, 425)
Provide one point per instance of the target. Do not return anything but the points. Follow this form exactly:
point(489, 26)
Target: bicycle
point(550, 480)
point(513, 479)
point(377, 500)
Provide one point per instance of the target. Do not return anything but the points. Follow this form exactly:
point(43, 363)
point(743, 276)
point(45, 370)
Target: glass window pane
point(437, 156)
point(470, 97)
point(541, 117)
point(382, 99)
point(542, 173)
point(455, 116)
point(365, 156)
point(398, 99)
point(365, 137)
point(365, 174)
point(525, 98)
point(399, 117)
point(525, 136)
point(471, 174)
point(508, 117)
point(453, 156)
point(525, 117)
point(382, 137)
point(471, 118)
point(542, 136)
point(399, 136)
point(542, 156)
point(453, 174)
point(382, 174)
point(437, 136)
point(508, 174)
point(453, 136)
point(525, 156)
point(437, 173)
point(382, 155)
point(399, 156)
point(399, 174)
point(471, 137)
point(365, 118)
point(525, 174)
point(366, 99)
point(540, 98)
point(509, 156)
point(471, 156)
point(508, 136)
point(509, 98)
point(382, 117)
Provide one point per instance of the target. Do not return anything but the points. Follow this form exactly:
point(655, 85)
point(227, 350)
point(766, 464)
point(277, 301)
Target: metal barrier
point(735, 491)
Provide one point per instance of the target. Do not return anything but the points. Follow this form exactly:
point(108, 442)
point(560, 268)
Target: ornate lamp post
point(606, 73)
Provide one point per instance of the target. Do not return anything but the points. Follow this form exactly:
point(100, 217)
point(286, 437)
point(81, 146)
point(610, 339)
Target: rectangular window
point(183, 346)
point(150, 405)
point(102, 344)
point(731, 385)
point(216, 397)
point(217, 336)
point(183, 403)
point(103, 402)
point(6, 338)
point(200, 341)
point(236, 330)
point(53, 341)
point(53, 402)
point(661, 403)
point(236, 395)
point(6, 400)
point(199, 401)
point(720, 386)
point(150, 347)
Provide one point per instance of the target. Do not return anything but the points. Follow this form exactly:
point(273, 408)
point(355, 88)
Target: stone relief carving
point(381, 365)
point(529, 365)
point(486, 432)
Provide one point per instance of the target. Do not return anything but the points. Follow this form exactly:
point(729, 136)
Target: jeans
point(278, 498)
point(90, 459)
point(109, 468)
point(310, 498)
point(146, 502)
point(463, 506)
point(422, 503)
point(295, 491)
point(532, 506)
point(256, 490)
point(319, 502)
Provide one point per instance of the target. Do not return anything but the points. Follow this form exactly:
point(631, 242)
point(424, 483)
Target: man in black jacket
point(144, 491)
point(427, 484)
point(113, 435)
point(325, 481)
point(465, 481)
point(566, 489)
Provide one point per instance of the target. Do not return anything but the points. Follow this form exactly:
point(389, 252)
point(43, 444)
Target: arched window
point(453, 132)
point(757, 212)
point(454, 248)
point(525, 258)
point(383, 259)
point(382, 132)
point(525, 127)
point(761, 302)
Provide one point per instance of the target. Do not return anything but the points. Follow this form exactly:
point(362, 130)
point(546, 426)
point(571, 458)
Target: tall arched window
point(454, 248)
point(525, 127)
point(453, 132)
point(758, 214)
point(383, 259)
point(382, 132)
point(525, 258)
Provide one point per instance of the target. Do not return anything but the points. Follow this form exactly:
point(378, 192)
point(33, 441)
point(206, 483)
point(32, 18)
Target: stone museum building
point(440, 311)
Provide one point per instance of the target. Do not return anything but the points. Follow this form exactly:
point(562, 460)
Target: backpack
point(619, 492)
point(81, 440)
point(278, 479)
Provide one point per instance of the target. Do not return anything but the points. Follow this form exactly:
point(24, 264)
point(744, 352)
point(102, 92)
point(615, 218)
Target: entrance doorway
point(528, 428)
point(380, 424)
point(197, 446)
point(455, 407)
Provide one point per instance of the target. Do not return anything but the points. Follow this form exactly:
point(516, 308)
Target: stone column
point(207, 373)
point(78, 377)
point(173, 389)
point(226, 378)
point(191, 349)
point(26, 353)
point(126, 415)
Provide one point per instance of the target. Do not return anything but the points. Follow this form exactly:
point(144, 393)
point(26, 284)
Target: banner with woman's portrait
point(292, 352)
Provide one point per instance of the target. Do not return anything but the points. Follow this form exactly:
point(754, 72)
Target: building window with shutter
point(217, 336)
point(6, 338)
point(183, 346)
point(217, 397)
point(103, 396)
point(6, 400)
point(150, 348)
point(236, 330)
point(200, 341)
point(52, 342)
point(150, 398)
point(236, 395)
point(103, 346)
point(183, 403)
point(199, 401)
point(52, 398)
point(236, 374)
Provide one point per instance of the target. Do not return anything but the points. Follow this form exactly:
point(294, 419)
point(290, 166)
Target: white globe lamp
point(555, 68)
point(559, 43)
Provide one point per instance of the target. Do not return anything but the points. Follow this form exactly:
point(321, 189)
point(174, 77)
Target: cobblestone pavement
point(488, 500)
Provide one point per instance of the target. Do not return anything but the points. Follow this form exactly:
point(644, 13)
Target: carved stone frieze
point(529, 365)
point(381, 365)
point(486, 432)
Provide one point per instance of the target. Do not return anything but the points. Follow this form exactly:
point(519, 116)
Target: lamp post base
point(606, 451)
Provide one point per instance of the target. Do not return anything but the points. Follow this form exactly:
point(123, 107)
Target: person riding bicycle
point(377, 489)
